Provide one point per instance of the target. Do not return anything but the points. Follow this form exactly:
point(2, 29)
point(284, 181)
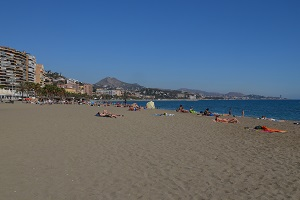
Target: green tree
point(22, 88)
point(37, 89)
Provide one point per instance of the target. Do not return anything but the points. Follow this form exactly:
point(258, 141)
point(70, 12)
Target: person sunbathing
point(181, 109)
point(105, 113)
point(135, 107)
point(192, 110)
point(118, 105)
point(207, 112)
point(270, 119)
point(224, 120)
point(165, 114)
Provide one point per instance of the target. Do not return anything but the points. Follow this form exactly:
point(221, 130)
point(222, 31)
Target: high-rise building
point(30, 68)
point(88, 89)
point(12, 67)
point(40, 74)
point(15, 67)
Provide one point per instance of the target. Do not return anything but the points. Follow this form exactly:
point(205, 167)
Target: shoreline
point(252, 113)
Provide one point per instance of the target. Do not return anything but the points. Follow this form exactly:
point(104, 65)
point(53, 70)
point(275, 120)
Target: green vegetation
point(35, 89)
point(54, 75)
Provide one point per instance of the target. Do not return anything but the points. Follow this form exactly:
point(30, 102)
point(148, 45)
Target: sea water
point(276, 109)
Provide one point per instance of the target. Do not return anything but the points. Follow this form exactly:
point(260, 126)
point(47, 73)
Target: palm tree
point(22, 88)
point(37, 89)
point(52, 91)
point(61, 92)
point(57, 91)
point(27, 87)
point(30, 86)
point(47, 90)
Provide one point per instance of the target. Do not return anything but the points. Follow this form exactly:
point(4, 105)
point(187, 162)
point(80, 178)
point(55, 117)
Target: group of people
point(105, 113)
point(135, 107)
point(181, 109)
point(131, 107)
point(208, 113)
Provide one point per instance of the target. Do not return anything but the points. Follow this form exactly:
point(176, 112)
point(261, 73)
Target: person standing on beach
point(243, 113)
point(229, 111)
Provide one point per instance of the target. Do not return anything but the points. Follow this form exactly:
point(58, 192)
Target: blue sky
point(222, 46)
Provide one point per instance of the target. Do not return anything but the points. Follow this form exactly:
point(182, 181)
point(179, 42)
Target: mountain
point(234, 94)
point(204, 93)
point(113, 83)
point(214, 94)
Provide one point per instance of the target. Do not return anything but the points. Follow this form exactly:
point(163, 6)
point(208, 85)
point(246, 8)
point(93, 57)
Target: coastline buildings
point(40, 74)
point(88, 89)
point(30, 68)
point(70, 87)
point(73, 86)
point(17, 67)
point(102, 91)
point(12, 67)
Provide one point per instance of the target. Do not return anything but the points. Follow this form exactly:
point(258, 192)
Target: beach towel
point(271, 130)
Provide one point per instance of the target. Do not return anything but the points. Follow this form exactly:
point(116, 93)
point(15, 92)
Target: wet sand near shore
point(65, 152)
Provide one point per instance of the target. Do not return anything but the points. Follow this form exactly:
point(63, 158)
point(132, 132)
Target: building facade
point(12, 67)
point(15, 67)
point(70, 87)
point(88, 89)
point(40, 74)
point(30, 68)
point(101, 91)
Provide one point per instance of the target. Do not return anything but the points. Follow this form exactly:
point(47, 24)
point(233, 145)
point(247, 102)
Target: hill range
point(113, 83)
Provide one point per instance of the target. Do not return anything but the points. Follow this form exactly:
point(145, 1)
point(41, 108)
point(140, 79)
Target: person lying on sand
point(118, 105)
point(135, 107)
point(165, 114)
point(105, 113)
point(271, 119)
point(224, 120)
point(270, 130)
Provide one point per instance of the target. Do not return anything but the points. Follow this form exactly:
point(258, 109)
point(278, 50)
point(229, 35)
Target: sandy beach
point(65, 152)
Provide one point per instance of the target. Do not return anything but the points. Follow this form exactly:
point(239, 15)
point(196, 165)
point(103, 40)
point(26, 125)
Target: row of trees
point(47, 91)
point(35, 89)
